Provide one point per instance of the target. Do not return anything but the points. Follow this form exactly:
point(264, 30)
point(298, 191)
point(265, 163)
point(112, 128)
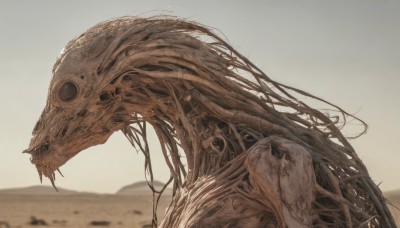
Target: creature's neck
point(187, 91)
point(207, 141)
point(181, 118)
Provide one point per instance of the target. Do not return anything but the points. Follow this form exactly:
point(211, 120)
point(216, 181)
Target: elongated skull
point(104, 79)
point(83, 106)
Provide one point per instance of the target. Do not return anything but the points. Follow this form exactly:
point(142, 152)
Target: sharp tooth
point(27, 151)
point(59, 171)
point(40, 176)
point(52, 181)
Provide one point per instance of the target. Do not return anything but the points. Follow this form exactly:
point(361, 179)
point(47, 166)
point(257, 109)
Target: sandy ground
point(396, 214)
point(394, 198)
point(78, 210)
point(89, 210)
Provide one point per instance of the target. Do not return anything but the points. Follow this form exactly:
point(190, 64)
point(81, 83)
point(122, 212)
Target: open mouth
point(44, 165)
point(38, 152)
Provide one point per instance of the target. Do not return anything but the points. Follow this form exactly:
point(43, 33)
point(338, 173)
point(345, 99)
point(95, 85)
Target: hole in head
point(120, 109)
point(126, 78)
point(117, 91)
point(205, 121)
point(222, 125)
point(82, 113)
point(105, 96)
point(106, 129)
point(118, 119)
point(114, 80)
point(218, 143)
point(45, 147)
point(146, 37)
point(82, 76)
point(276, 152)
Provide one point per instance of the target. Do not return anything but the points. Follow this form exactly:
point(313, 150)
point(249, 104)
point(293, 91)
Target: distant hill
point(393, 196)
point(140, 187)
point(37, 190)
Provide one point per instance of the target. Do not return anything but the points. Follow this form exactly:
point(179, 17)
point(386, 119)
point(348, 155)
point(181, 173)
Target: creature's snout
point(61, 133)
point(45, 154)
point(40, 157)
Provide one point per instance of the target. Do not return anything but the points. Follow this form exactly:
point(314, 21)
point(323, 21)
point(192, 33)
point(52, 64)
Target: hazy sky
point(347, 52)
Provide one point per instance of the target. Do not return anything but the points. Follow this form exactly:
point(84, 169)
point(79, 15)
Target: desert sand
point(394, 205)
point(41, 206)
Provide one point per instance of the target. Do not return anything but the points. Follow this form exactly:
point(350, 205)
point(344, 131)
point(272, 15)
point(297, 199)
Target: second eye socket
point(105, 96)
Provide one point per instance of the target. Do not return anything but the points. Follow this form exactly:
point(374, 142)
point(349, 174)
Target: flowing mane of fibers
point(189, 62)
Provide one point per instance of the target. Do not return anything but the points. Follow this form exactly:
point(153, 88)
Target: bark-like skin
point(270, 185)
point(256, 155)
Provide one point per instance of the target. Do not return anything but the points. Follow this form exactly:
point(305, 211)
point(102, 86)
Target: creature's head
point(107, 77)
point(119, 70)
point(84, 106)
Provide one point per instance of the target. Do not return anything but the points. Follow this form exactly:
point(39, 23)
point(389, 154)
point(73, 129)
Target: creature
point(255, 154)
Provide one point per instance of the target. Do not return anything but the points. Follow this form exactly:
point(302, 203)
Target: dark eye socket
point(68, 91)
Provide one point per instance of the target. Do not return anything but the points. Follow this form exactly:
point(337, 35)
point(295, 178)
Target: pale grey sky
point(347, 52)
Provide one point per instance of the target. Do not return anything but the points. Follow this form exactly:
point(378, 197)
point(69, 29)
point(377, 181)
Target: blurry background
point(347, 52)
